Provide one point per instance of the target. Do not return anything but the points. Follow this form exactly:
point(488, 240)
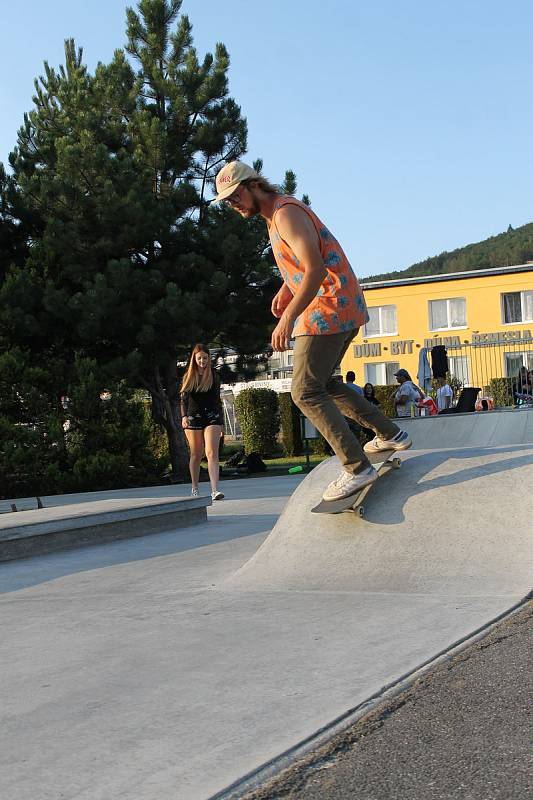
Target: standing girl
point(201, 417)
point(369, 394)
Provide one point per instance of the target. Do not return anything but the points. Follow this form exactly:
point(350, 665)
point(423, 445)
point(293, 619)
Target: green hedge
point(386, 406)
point(258, 414)
point(383, 396)
point(90, 442)
point(291, 430)
point(320, 446)
point(157, 438)
point(501, 390)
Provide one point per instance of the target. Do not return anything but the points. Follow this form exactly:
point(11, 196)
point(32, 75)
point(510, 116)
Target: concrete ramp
point(478, 429)
point(456, 521)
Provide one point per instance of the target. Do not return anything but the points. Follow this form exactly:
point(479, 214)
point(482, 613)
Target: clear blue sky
point(409, 124)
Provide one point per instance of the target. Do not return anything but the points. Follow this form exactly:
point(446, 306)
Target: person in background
point(444, 394)
point(369, 394)
point(407, 396)
point(350, 381)
point(201, 417)
point(522, 381)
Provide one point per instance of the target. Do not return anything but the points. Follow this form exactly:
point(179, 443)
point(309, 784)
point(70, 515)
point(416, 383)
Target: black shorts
point(197, 422)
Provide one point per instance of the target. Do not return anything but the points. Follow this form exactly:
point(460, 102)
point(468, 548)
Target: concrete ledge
point(477, 429)
point(30, 533)
point(25, 504)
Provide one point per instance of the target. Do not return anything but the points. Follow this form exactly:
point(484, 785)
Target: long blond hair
point(192, 380)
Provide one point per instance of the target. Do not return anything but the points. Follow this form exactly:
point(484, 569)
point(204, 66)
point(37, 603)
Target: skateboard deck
point(383, 462)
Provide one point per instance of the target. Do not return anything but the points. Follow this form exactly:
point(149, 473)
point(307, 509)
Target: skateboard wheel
point(397, 463)
point(361, 511)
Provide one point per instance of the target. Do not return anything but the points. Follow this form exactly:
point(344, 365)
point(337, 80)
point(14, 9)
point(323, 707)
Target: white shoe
point(402, 441)
point(347, 483)
point(195, 492)
point(216, 495)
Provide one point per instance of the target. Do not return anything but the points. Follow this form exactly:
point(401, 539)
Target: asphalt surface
point(463, 731)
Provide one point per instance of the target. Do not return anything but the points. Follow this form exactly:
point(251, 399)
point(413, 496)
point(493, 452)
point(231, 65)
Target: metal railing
point(479, 363)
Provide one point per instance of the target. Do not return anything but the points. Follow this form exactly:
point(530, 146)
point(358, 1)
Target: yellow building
point(484, 319)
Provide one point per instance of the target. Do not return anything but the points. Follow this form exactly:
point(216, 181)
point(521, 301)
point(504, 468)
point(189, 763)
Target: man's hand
point(281, 301)
point(297, 230)
point(282, 334)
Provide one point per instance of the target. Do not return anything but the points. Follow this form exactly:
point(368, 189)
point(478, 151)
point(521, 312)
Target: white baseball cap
point(230, 176)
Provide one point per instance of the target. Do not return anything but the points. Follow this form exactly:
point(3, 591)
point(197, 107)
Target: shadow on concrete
point(385, 502)
point(445, 520)
point(23, 573)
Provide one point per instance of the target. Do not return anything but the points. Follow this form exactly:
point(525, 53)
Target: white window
point(381, 374)
point(446, 314)
point(459, 367)
point(517, 307)
point(514, 361)
point(382, 321)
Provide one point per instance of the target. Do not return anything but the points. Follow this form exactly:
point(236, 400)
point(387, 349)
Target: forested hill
point(513, 247)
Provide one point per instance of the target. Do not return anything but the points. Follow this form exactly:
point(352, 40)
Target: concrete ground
point(462, 732)
point(172, 666)
point(120, 662)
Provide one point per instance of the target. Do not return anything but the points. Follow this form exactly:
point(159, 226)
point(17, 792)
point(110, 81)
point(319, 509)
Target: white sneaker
point(347, 483)
point(216, 495)
point(195, 492)
point(402, 441)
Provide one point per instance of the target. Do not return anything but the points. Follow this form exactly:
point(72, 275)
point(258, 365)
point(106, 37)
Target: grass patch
point(293, 461)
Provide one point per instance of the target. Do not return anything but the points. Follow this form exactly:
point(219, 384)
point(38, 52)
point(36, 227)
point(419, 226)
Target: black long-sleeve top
point(193, 403)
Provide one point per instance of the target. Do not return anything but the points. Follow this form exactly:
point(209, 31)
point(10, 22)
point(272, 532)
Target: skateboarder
point(322, 307)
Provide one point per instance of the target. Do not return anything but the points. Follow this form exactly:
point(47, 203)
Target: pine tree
point(127, 264)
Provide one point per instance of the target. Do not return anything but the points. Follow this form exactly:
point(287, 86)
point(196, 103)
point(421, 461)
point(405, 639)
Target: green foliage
point(384, 395)
point(291, 430)
point(107, 438)
point(32, 451)
point(320, 446)
point(501, 390)
point(100, 470)
point(258, 415)
point(515, 246)
point(27, 465)
point(157, 438)
point(97, 439)
point(109, 246)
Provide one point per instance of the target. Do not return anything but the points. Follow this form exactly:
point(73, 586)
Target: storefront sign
point(401, 347)
point(366, 350)
point(447, 341)
point(397, 348)
point(501, 337)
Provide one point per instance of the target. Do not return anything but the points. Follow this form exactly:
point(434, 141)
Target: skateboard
point(383, 462)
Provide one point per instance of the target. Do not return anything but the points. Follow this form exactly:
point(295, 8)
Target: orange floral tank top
point(339, 304)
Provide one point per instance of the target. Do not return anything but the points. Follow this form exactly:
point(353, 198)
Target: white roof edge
point(472, 273)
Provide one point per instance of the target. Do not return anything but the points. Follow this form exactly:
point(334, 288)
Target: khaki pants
point(326, 401)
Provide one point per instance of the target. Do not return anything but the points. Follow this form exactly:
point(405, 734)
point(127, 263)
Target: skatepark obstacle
point(450, 521)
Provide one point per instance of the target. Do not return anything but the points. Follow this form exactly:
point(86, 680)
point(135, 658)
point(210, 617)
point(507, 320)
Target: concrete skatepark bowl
point(191, 665)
